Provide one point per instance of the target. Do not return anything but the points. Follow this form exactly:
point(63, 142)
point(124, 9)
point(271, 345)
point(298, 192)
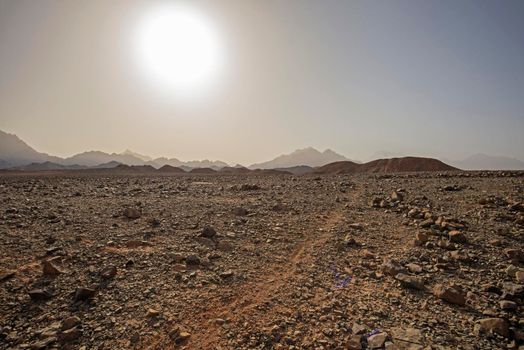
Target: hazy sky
point(436, 78)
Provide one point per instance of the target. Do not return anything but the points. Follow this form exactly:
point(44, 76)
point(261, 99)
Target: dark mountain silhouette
point(234, 170)
point(306, 156)
point(171, 169)
point(393, 165)
point(203, 171)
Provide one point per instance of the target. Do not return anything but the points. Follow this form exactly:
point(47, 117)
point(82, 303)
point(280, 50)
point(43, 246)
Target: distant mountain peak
point(128, 152)
point(308, 156)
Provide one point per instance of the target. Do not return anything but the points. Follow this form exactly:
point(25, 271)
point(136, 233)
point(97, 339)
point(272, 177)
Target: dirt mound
point(405, 164)
point(343, 167)
point(393, 165)
point(171, 169)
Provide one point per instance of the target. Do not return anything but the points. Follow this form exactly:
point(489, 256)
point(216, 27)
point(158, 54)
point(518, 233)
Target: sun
point(178, 48)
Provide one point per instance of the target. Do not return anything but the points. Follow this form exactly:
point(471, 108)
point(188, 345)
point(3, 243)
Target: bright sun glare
point(178, 48)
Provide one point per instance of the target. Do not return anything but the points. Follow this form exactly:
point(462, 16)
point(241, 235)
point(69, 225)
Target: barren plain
point(396, 261)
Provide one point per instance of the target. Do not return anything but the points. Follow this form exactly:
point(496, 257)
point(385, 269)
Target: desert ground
point(396, 261)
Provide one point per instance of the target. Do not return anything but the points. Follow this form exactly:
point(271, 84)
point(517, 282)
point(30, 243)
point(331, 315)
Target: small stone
point(152, 313)
point(108, 272)
point(183, 336)
point(179, 336)
point(451, 294)
point(414, 268)
point(513, 290)
point(457, 237)
point(135, 338)
point(192, 260)
point(515, 255)
point(392, 268)
point(493, 325)
point(43, 344)
point(519, 276)
point(410, 281)
point(408, 338)
point(132, 213)
point(377, 341)
point(397, 196)
point(427, 223)
point(208, 232)
point(48, 269)
point(5, 275)
point(226, 274)
point(70, 322)
point(374, 202)
point(39, 294)
point(83, 294)
point(508, 305)
point(420, 239)
point(70, 335)
point(353, 343)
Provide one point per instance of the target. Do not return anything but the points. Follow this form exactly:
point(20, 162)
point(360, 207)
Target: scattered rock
point(457, 237)
point(108, 272)
point(493, 325)
point(192, 260)
point(83, 294)
point(39, 294)
point(132, 213)
point(519, 276)
point(70, 322)
point(70, 335)
point(48, 269)
point(152, 313)
point(414, 268)
point(377, 341)
point(507, 305)
point(396, 196)
point(515, 255)
point(354, 343)
point(5, 275)
point(412, 282)
point(408, 338)
point(208, 232)
point(392, 268)
point(226, 274)
point(451, 294)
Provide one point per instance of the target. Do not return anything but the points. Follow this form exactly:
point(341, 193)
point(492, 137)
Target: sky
point(430, 78)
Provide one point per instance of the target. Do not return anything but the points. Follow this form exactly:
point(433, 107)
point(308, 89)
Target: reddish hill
point(405, 164)
point(343, 167)
point(393, 165)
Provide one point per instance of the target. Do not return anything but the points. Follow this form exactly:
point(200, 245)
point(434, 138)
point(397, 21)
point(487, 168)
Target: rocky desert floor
point(404, 261)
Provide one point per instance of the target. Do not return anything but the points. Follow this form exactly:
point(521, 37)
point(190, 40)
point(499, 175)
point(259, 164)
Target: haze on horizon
point(433, 78)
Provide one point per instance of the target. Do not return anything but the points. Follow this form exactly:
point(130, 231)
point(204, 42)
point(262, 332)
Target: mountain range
point(306, 156)
point(15, 153)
